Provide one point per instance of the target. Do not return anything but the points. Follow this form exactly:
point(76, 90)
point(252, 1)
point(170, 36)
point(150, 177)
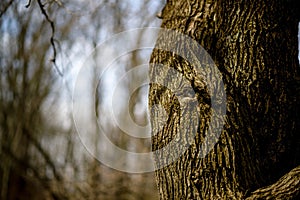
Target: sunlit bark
point(254, 45)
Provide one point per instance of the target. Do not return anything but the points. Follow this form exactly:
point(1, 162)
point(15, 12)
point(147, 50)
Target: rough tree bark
point(255, 47)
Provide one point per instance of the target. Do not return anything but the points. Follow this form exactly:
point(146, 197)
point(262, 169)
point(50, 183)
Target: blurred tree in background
point(40, 152)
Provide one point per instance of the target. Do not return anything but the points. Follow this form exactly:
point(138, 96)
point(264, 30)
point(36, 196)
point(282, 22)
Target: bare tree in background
point(41, 154)
point(27, 78)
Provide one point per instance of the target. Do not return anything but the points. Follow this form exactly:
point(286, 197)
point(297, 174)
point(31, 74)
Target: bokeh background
point(41, 155)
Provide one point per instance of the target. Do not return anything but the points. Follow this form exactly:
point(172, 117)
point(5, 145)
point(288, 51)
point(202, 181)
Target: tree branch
point(287, 187)
point(52, 40)
point(20, 164)
point(28, 4)
point(5, 7)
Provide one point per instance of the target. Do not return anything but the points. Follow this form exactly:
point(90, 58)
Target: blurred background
point(41, 155)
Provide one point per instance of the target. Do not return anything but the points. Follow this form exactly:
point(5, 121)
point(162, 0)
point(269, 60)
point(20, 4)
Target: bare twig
point(21, 164)
point(6, 7)
point(45, 155)
point(52, 40)
point(28, 4)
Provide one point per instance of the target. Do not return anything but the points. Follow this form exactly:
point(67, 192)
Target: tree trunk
point(255, 47)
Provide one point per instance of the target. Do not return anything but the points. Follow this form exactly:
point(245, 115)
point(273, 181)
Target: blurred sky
point(82, 49)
